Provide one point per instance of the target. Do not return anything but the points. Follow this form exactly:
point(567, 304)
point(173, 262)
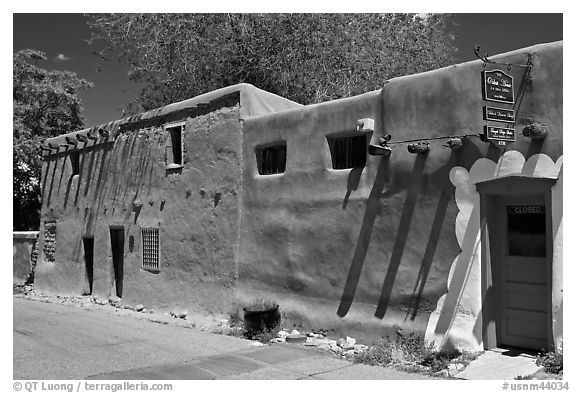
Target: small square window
point(75, 161)
point(151, 249)
point(174, 150)
point(348, 152)
point(271, 159)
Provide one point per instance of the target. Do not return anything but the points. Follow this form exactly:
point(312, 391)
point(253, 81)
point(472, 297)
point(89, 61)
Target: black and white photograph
point(289, 195)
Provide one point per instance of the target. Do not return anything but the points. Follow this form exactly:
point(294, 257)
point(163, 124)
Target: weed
point(552, 362)
point(235, 317)
point(261, 304)
point(411, 352)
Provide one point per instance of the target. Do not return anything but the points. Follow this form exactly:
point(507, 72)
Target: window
point(348, 152)
point(75, 160)
point(174, 149)
point(271, 159)
point(150, 249)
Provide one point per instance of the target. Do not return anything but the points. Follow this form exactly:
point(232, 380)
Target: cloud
point(61, 57)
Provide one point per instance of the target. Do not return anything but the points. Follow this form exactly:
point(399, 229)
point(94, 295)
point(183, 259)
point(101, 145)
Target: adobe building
point(434, 203)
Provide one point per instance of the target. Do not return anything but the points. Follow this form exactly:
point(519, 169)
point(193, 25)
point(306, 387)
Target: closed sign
point(530, 209)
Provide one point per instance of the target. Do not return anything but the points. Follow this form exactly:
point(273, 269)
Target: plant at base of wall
point(410, 352)
point(553, 362)
point(261, 320)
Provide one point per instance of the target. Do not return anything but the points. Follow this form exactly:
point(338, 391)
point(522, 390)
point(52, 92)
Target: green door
point(522, 274)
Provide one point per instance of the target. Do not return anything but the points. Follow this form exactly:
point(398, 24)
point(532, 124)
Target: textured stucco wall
point(352, 250)
point(195, 209)
point(23, 244)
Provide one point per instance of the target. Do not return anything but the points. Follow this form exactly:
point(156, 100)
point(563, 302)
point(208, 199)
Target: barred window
point(348, 152)
point(271, 159)
point(150, 249)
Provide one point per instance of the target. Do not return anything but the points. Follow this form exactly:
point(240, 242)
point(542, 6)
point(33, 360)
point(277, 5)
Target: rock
point(139, 307)
point(102, 302)
point(115, 301)
point(295, 332)
point(279, 339)
point(182, 315)
point(282, 333)
point(349, 352)
point(129, 307)
point(455, 367)
point(311, 343)
point(337, 349)
point(296, 338)
point(223, 322)
point(350, 341)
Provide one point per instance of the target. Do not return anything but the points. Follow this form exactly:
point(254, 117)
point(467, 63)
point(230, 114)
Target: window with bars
point(271, 159)
point(151, 249)
point(348, 152)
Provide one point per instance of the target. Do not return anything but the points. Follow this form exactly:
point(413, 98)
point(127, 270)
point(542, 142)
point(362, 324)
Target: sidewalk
point(280, 361)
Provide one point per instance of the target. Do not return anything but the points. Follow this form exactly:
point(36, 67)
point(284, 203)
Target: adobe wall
point(362, 250)
point(23, 244)
point(195, 209)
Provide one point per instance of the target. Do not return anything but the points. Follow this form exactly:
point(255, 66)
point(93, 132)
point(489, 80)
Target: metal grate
point(150, 249)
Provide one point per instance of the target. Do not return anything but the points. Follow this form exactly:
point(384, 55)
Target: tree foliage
point(45, 104)
point(307, 58)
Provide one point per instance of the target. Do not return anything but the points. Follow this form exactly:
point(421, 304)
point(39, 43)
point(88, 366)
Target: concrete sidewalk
point(500, 364)
point(281, 361)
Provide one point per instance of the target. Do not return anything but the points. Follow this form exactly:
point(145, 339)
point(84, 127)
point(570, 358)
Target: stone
point(455, 367)
point(139, 307)
point(115, 301)
point(296, 338)
point(350, 341)
point(282, 333)
point(295, 332)
point(102, 302)
point(182, 314)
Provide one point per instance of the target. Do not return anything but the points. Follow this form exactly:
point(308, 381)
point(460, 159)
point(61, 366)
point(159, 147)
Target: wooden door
point(89, 260)
point(523, 275)
point(117, 242)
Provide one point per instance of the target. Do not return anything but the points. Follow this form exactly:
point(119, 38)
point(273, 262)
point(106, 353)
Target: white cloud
point(61, 57)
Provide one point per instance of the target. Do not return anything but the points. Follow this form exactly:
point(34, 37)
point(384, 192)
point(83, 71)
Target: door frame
point(491, 193)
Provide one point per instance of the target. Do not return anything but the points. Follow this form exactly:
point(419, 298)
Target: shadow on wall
point(401, 234)
point(372, 207)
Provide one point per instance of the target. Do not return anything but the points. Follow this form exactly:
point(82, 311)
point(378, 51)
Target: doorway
point(523, 282)
point(89, 260)
point(117, 242)
point(516, 262)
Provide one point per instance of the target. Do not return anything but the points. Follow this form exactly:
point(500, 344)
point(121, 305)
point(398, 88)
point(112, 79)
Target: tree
point(45, 104)
point(307, 58)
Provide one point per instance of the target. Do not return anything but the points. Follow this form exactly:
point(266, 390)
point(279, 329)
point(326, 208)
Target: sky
point(63, 38)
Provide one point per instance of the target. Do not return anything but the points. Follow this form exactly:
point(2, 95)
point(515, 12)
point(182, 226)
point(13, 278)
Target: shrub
point(261, 305)
point(551, 361)
point(409, 351)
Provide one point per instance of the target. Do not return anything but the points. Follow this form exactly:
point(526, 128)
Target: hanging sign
point(500, 135)
point(497, 86)
point(499, 114)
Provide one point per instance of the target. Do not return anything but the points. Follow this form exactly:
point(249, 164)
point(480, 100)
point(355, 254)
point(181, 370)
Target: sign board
point(499, 114)
point(497, 86)
point(501, 135)
point(526, 209)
